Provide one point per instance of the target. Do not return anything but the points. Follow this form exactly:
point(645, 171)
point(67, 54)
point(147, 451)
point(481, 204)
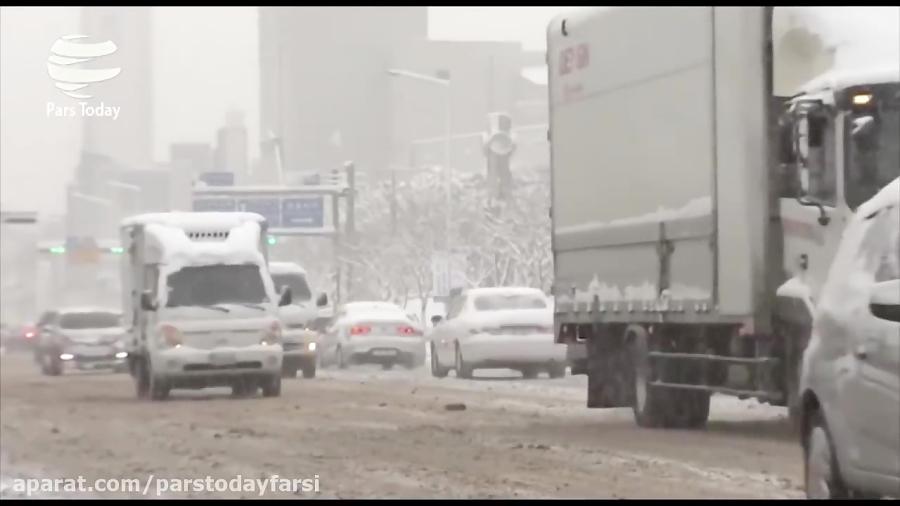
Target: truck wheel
point(690, 409)
point(650, 404)
point(436, 370)
point(309, 371)
point(557, 371)
point(272, 386)
point(822, 475)
point(463, 370)
point(141, 379)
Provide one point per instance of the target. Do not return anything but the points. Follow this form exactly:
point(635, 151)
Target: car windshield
point(296, 282)
point(497, 302)
point(93, 320)
point(873, 159)
point(216, 284)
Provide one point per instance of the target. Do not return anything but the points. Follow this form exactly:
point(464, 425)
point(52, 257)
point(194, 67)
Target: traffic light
point(499, 145)
point(272, 240)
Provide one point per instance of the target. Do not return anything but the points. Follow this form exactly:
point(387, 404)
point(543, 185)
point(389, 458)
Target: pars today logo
point(70, 66)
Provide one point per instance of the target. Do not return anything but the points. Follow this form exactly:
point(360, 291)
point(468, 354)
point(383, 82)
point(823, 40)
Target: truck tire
point(557, 371)
point(436, 370)
point(690, 409)
point(651, 405)
point(272, 386)
point(463, 370)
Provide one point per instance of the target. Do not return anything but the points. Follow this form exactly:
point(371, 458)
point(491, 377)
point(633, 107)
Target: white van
point(300, 339)
point(200, 304)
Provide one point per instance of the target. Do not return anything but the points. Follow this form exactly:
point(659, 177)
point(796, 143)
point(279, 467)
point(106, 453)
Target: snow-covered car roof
point(506, 290)
point(195, 221)
point(286, 268)
point(845, 78)
point(372, 306)
point(88, 309)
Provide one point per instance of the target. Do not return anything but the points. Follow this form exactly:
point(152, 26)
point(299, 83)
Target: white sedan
point(497, 328)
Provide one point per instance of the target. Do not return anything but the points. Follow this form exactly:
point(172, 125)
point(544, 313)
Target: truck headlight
point(272, 335)
point(311, 346)
point(66, 356)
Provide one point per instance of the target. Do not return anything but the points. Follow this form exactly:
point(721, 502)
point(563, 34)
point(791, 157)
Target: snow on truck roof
point(195, 221)
point(841, 79)
point(286, 268)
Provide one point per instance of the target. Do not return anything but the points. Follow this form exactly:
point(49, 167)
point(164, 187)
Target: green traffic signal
point(58, 250)
point(272, 240)
point(117, 250)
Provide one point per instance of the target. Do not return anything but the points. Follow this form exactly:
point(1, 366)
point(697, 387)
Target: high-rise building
point(126, 139)
point(323, 86)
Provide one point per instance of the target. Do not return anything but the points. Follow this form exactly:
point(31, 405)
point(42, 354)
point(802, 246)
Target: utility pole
point(393, 201)
point(350, 228)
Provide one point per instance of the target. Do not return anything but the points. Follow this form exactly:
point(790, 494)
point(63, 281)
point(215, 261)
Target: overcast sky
point(191, 92)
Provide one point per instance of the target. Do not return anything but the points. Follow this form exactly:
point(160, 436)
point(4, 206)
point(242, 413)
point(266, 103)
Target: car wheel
point(272, 387)
point(463, 370)
point(557, 371)
point(159, 388)
point(309, 371)
point(822, 476)
point(436, 370)
point(341, 361)
point(141, 379)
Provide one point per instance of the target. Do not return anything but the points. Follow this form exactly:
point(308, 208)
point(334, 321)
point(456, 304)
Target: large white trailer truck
point(704, 162)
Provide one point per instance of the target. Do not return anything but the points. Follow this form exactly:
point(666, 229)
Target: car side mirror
point(286, 297)
point(322, 301)
point(884, 301)
point(147, 302)
point(436, 319)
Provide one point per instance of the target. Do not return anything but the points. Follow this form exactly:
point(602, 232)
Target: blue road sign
point(270, 208)
point(307, 212)
point(214, 204)
point(218, 178)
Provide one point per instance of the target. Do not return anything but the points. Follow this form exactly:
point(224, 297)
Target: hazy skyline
point(191, 92)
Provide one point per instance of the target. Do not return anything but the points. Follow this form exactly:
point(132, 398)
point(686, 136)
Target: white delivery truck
point(704, 163)
point(200, 304)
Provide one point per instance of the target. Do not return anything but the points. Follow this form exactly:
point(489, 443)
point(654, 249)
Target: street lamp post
point(447, 142)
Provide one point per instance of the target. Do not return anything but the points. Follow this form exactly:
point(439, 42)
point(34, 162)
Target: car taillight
point(408, 331)
point(29, 335)
point(171, 335)
point(359, 330)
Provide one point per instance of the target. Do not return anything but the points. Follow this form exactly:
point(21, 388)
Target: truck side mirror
point(322, 301)
point(884, 301)
point(147, 302)
point(286, 297)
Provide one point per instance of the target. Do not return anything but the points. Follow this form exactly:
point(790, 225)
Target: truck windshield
point(209, 285)
point(97, 320)
point(297, 284)
point(873, 160)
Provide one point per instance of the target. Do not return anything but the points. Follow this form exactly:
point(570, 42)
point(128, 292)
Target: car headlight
point(272, 334)
point(122, 354)
point(170, 336)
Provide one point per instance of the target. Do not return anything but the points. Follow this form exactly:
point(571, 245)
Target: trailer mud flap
point(609, 376)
